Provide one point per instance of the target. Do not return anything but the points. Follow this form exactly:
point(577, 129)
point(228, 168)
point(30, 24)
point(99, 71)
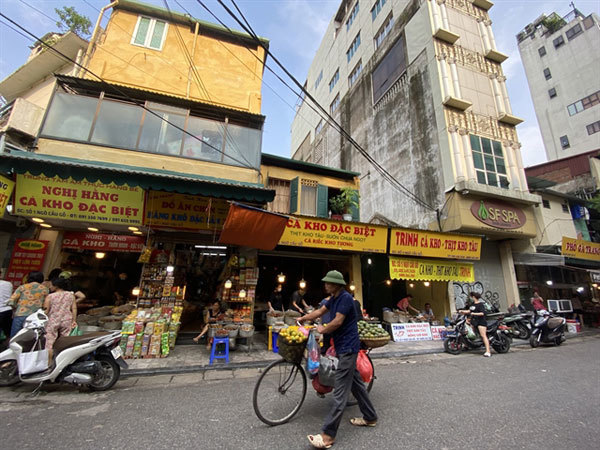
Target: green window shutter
point(322, 201)
point(354, 210)
point(294, 195)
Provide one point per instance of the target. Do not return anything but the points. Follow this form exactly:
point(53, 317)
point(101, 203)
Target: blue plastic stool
point(213, 353)
point(275, 347)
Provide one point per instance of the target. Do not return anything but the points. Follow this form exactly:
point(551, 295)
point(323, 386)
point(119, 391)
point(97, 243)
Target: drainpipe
point(192, 62)
point(88, 52)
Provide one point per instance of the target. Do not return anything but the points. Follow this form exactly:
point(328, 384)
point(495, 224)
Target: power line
point(120, 92)
point(385, 174)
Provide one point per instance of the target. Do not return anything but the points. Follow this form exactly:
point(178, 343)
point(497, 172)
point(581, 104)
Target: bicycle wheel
point(352, 401)
point(279, 392)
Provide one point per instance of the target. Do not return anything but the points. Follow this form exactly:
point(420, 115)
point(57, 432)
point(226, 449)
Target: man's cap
point(334, 277)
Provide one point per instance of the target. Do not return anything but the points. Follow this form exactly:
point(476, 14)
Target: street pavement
point(544, 398)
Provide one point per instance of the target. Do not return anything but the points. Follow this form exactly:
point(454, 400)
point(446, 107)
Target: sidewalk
point(195, 358)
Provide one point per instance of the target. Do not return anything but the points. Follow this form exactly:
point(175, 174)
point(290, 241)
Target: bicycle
point(281, 389)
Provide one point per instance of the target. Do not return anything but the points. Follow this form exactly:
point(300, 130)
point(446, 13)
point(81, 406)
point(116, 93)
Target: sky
point(295, 29)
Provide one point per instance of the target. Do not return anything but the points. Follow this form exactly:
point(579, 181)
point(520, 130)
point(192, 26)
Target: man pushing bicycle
point(344, 331)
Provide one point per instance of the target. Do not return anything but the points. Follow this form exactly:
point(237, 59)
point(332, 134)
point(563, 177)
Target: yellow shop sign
point(430, 270)
point(437, 245)
point(574, 248)
point(332, 234)
point(6, 188)
point(84, 201)
point(191, 212)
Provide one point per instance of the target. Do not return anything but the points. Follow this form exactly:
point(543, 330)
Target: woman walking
point(61, 307)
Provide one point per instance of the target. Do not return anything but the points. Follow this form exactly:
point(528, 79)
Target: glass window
point(308, 203)
point(500, 165)
point(574, 32)
point(353, 15)
point(118, 124)
point(334, 80)
point(546, 204)
point(353, 47)
point(149, 33)
point(478, 160)
point(158, 135)
point(593, 128)
point(475, 143)
point(334, 104)
point(489, 161)
point(486, 144)
point(481, 177)
point(70, 117)
point(242, 146)
point(565, 207)
point(384, 31)
point(318, 80)
point(552, 92)
point(377, 8)
point(389, 69)
point(355, 73)
point(542, 50)
point(558, 41)
point(319, 127)
point(497, 148)
point(207, 143)
point(547, 73)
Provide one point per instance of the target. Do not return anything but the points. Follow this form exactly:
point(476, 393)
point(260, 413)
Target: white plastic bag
point(32, 362)
point(313, 358)
point(327, 368)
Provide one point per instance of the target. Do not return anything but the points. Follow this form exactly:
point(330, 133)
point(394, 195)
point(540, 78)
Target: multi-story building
point(419, 85)
point(561, 60)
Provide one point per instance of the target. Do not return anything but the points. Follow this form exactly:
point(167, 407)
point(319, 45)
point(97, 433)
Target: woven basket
point(291, 352)
point(375, 342)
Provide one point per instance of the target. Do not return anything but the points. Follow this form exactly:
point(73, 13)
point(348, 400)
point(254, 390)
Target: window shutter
point(322, 203)
point(294, 195)
point(353, 209)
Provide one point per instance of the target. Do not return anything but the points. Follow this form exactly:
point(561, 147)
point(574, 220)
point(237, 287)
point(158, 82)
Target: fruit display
point(372, 335)
point(292, 335)
point(291, 343)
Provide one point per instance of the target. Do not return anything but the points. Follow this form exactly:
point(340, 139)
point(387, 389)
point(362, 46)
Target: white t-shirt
point(5, 293)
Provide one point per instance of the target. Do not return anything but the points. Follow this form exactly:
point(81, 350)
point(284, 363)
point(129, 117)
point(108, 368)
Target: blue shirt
point(345, 338)
point(325, 318)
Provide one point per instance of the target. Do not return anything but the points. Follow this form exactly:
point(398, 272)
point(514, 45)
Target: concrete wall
point(230, 74)
point(574, 69)
point(553, 223)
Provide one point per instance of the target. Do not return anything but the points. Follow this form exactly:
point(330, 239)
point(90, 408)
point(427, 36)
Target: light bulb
point(93, 229)
point(242, 294)
point(100, 255)
point(45, 225)
point(580, 289)
point(411, 285)
point(133, 228)
point(228, 284)
point(139, 233)
point(352, 287)
point(426, 284)
point(302, 284)
point(369, 261)
point(36, 220)
point(170, 269)
point(549, 282)
point(135, 291)
point(388, 282)
point(281, 278)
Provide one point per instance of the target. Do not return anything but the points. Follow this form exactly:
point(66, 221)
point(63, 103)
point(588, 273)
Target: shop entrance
point(297, 266)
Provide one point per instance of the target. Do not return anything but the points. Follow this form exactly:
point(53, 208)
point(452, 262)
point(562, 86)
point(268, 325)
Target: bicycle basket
point(291, 352)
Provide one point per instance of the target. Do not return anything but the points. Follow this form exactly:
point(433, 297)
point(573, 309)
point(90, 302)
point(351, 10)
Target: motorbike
point(93, 360)
point(464, 337)
point(519, 322)
point(547, 328)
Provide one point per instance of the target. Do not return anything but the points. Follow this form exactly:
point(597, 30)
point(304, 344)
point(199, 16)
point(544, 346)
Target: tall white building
point(562, 62)
point(419, 85)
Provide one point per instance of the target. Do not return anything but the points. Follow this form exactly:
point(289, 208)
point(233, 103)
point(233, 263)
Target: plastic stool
point(274, 340)
point(213, 353)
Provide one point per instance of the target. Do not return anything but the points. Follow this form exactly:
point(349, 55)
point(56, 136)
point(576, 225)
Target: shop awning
point(252, 227)
point(146, 178)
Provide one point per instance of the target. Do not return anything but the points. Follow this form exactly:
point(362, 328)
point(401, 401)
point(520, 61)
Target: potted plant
point(342, 204)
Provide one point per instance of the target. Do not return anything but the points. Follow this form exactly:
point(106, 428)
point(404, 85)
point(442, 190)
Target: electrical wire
point(120, 92)
point(383, 172)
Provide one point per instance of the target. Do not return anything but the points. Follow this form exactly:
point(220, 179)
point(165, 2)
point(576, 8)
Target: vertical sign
point(6, 188)
point(28, 256)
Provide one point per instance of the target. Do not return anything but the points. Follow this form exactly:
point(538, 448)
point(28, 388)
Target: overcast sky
point(295, 29)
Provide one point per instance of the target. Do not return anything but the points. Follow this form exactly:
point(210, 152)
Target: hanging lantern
point(228, 284)
point(302, 284)
point(281, 278)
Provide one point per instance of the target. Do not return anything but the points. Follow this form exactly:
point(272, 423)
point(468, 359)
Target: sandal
point(316, 440)
point(360, 422)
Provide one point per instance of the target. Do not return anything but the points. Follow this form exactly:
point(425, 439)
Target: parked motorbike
point(464, 337)
point(519, 322)
point(92, 360)
point(547, 328)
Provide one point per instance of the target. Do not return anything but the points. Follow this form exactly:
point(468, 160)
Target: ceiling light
point(45, 225)
point(93, 229)
point(37, 220)
point(228, 284)
point(100, 255)
point(135, 291)
point(138, 233)
point(426, 283)
point(170, 269)
point(133, 229)
point(369, 261)
point(281, 278)
point(388, 282)
point(549, 283)
point(580, 289)
point(302, 284)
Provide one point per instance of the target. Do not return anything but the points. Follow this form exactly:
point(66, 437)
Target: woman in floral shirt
point(27, 299)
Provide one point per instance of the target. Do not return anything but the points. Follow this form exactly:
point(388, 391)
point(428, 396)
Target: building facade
point(419, 85)
point(560, 56)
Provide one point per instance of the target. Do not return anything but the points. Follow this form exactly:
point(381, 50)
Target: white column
point(454, 75)
point(508, 275)
point(459, 159)
point(445, 83)
point(484, 36)
point(517, 148)
point(466, 145)
point(515, 181)
point(444, 14)
point(490, 34)
point(504, 91)
point(497, 95)
point(435, 13)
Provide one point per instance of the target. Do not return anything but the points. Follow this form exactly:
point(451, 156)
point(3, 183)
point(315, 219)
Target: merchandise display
point(242, 272)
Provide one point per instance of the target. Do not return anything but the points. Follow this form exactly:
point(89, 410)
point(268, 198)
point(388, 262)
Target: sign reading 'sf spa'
point(498, 214)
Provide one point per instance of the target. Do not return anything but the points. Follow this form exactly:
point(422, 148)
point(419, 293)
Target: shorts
point(477, 322)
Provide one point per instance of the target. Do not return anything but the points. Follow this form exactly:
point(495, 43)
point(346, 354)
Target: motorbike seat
point(63, 343)
point(491, 324)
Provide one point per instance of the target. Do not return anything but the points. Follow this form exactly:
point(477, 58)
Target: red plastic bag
point(364, 366)
point(319, 387)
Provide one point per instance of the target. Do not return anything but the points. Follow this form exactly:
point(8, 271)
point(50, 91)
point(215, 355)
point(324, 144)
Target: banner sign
point(69, 199)
point(595, 277)
point(6, 188)
point(404, 332)
point(102, 242)
point(430, 270)
point(438, 333)
point(437, 245)
point(28, 256)
point(574, 248)
point(192, 212)
point(332, 234)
